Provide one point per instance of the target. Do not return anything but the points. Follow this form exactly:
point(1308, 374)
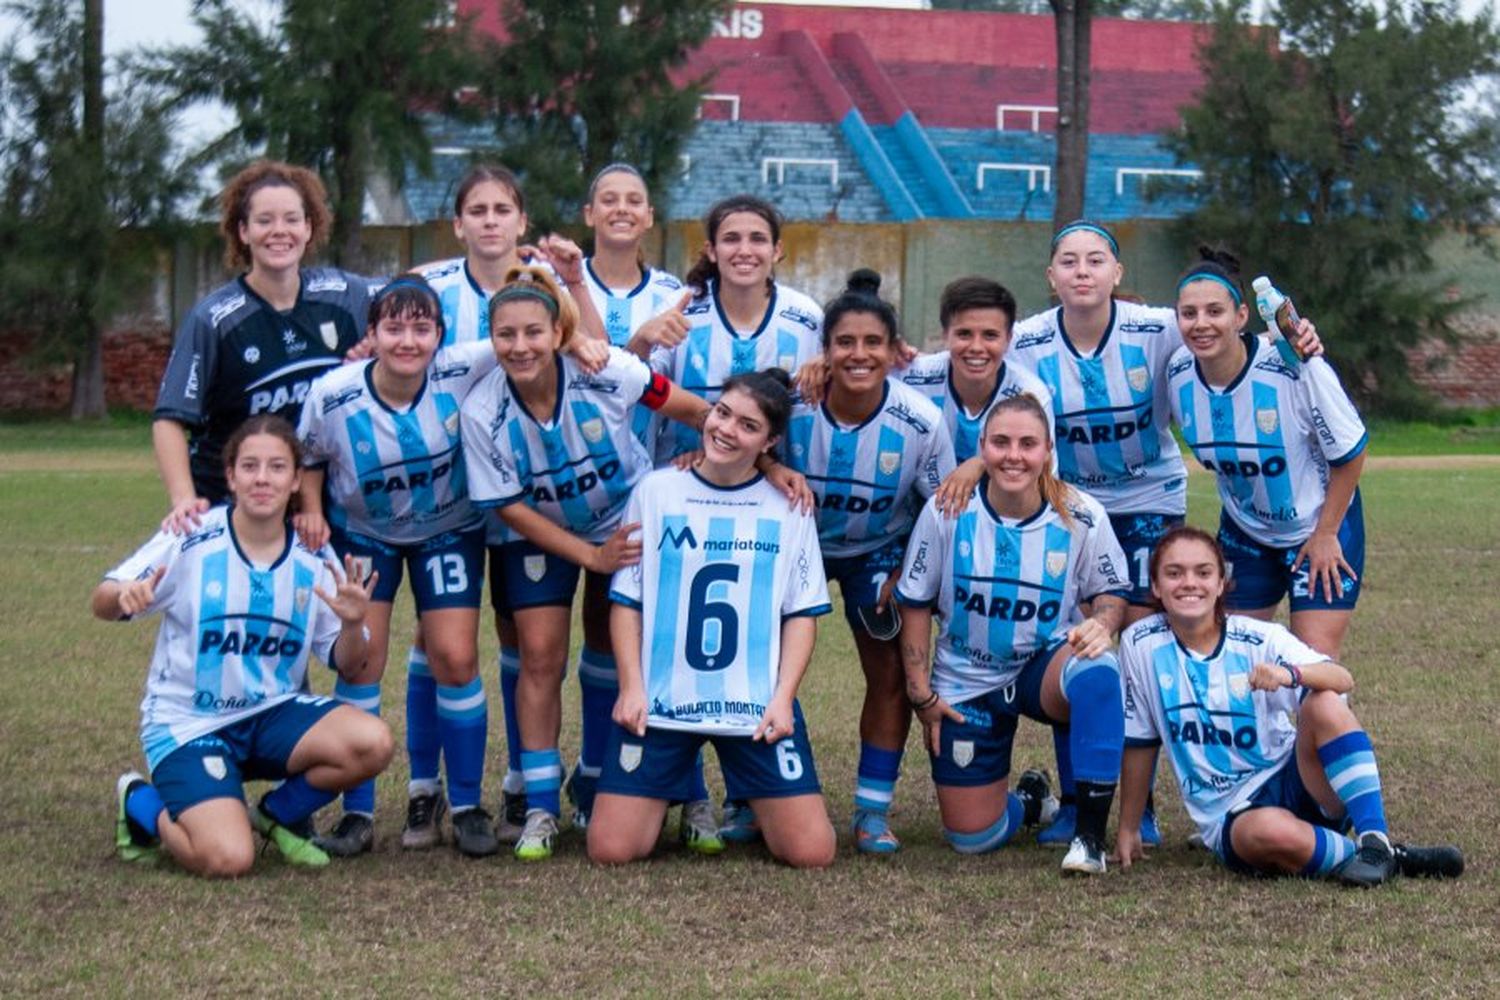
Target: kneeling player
point(1272, 764)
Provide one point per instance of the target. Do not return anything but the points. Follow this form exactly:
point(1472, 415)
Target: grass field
point(925, 923)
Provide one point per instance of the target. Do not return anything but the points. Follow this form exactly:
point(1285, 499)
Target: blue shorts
point(217, 765)
point(861, 577)
point(660, 765)
point(447, 570)
point(1283, 790)
point(1262, 574)
point(523, 576)
point(1138, 535)
point(977, 750)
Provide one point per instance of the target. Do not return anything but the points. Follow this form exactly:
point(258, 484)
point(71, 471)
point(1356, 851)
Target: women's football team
point(1018, 494)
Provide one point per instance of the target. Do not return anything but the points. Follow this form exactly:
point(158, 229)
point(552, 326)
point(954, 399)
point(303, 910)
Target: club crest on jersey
point(1165, 680)
point(301, 597)
point(330, 335)
point(1138, 378)
point(450, 424)
point(535, 568)
point(963, 752)
point(1239, 685)
point(593, 429)
point(1266, 421)
point(214, 589)
point(890, 461)
point(364, 566)
point(363, 447)
point(216, 768)
point(252, 354)
point(963, 550)
point(1057, 562)
point(630, 756)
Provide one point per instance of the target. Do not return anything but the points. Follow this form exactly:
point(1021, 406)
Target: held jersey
point(624, 310)
point(867, 479)
point(394, 475)
point(932, 376)
point(720, 568)
point(1111, 407)
point(234, 637)
point(1269, 437)
point(235, 356)
point(577, 467)
point(1005, 589)
point(789, 335)
point(1224, 740)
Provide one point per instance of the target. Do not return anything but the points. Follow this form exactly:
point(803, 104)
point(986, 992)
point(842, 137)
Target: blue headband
point(1234, 293)
point(525, 290)
point(415, 283)
point(1087, 227)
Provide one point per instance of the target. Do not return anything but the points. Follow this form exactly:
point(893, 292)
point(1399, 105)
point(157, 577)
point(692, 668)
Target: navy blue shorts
point(217, 765)
point(524, 576)
point(1283, 790)
point(861, 577)
point(977, 750)
point(660, 765)
point(1138, 535)
point(447, 570)
point(1262, 574)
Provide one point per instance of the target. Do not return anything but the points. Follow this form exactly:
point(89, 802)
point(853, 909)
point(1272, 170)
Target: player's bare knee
point(1325, 710)
point(452, 661)
point(606, 847)
point(813, 849)
point(223, 858)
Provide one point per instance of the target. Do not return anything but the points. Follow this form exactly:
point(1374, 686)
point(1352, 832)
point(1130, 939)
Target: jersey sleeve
point(922, 569)
point(489, 464)
point(806, 585)
point(1136, 681)
point(937, 461)
point(478, 355)
point(1285, 649)
point(190, 370)
point(1101, 564)
point(635, 376)
point(163, 549)
point(1340, 432)
point(316, 452)
point(625, 586)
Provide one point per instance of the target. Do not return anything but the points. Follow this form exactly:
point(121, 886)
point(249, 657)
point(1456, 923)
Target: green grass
point(926, 923)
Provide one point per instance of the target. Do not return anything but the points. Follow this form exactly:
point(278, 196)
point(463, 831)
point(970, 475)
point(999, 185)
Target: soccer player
point(1009, 577)
point(1273, 766)
point(1286, 448)
point(713, 630)
point(871, 451)
point(255, 344)
point(244, 603)
point(384, 435)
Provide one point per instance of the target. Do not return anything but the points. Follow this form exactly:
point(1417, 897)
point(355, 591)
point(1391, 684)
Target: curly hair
point(234, 205)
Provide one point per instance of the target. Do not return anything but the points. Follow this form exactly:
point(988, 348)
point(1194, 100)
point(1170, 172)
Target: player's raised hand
point(591, 353)
point(1308, 343)
point(1089, 639)
point(185, 515)
point(630, 710)
point(365, 348)
point(669, 328)
point(618, 550)
point(952, 496)
point(811, 380)
point(793, 485)
point(565, 256)
point(687, 459)
point(137, 595)
point(350, 599)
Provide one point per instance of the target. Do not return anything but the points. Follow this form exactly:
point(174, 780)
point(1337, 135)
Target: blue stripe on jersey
point(520, 451)
point(303, 600)
point(798, 444)
point(742, 360)
point(449, 298)
point(560, 465)
point(415, 459)
point(1272, 444)
point(720, 546)
point(1005, 571)
point(1144, 398)
point(1067, 459)
point(1226, 450)
point(1059, 539)
point(617, 318)
point(157, 741)
point(664, 629)
point(1164, 664)
point(1108, 455)
point(763, 617)
point(616, 488)
point(447, 406)
point(843, 449)
point(887, 481)
point(360, 427)
point(213, 597)
point(963, 568)
point(786, 347)
point(262, 606)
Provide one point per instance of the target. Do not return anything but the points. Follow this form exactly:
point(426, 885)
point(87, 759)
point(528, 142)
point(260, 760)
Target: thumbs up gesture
point(666, 330)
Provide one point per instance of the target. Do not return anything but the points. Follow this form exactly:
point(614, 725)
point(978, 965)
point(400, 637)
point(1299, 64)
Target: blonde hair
point(1055, 493)
point(529, 282)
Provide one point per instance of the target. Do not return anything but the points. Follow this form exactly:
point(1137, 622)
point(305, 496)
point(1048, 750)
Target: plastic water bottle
point(1281, 320)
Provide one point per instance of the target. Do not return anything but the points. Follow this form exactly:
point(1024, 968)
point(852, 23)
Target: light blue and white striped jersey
point(1111, 408)
point(932, 376)
point(577, 467)
point(869, 480)
point(234, 637)
point(720, 569)
point(1005, 589)
point(1269, 437)
point(624, 310)
point(466, 306)
point(394, 475)
point(789, 336)
point(1224, 740)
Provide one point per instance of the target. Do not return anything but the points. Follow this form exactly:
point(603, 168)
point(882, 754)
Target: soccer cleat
point(424, 821)
point(872, 833)
point(130, 846)
point(296, 850)
point(1373, 862)
point(512, 817)
point(354, 834)
point(739, 825)
point(1150, 832)
point(473, 834)
point(1085, 857)
point(1442, 861)
point(698, 829)
point(1035, 792)
point(575, 798)
point(1059, 833)
point(537, 836)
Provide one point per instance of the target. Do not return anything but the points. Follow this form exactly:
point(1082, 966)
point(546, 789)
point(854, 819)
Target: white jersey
point(1005, 589)
point(466, 306)
point(1111, 408)
point(1269, 437)
point(577, 467)
point(720, 569)
point(868, 479)
point(234, 637)
point(1224, 740)
point(625, 310)
point(932, 376)
point(789, 336)
point(394, 475)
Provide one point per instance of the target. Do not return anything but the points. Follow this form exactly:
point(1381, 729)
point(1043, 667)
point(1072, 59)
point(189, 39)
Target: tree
point(583, 83)
point(74, 179)
point(337, 85)
point(1334, 160)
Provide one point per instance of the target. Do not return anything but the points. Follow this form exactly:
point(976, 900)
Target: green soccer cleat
point(128, 845)
point(698, 829)
point(537, 836)
point(294, 850)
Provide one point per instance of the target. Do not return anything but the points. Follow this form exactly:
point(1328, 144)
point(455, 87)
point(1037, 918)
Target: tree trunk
point(88, 380)
point(1072, 21)
point(88, 368)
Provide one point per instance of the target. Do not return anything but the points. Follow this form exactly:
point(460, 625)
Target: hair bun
point(865, 282)
point(780, 376)
point(1218, 255)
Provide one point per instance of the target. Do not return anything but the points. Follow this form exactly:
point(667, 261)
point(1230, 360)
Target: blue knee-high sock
point(463, 725)
point(993, 837)
point(292, 801)
point(1062, 746)
point(1330, 849)
point(1096, 731)
point(143, 807)
point(510, 673)
point(365, 697)
point(697, 788)
point(600, 686)
point(543, 770)
point(1349, 763)
point(424, 747)
point(875, 778)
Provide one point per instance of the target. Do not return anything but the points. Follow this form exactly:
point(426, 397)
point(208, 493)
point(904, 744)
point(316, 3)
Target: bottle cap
point(1261, 284)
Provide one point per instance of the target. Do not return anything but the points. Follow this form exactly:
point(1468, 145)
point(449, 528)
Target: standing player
point(1009, 577)
point(870, 451)
point(730, 581)
point(384, 434)
point(1286, 447)
point(243, 604)
point(1272, 764)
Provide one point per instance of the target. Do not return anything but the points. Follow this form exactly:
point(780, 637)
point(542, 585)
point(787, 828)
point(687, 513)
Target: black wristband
point(924, 704)
point(1291, 668)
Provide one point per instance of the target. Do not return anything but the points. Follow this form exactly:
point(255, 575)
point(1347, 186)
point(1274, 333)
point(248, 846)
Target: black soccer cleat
point(354, 835)
point(1035, 793)
point(1441, 861)
point(1373, 863)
